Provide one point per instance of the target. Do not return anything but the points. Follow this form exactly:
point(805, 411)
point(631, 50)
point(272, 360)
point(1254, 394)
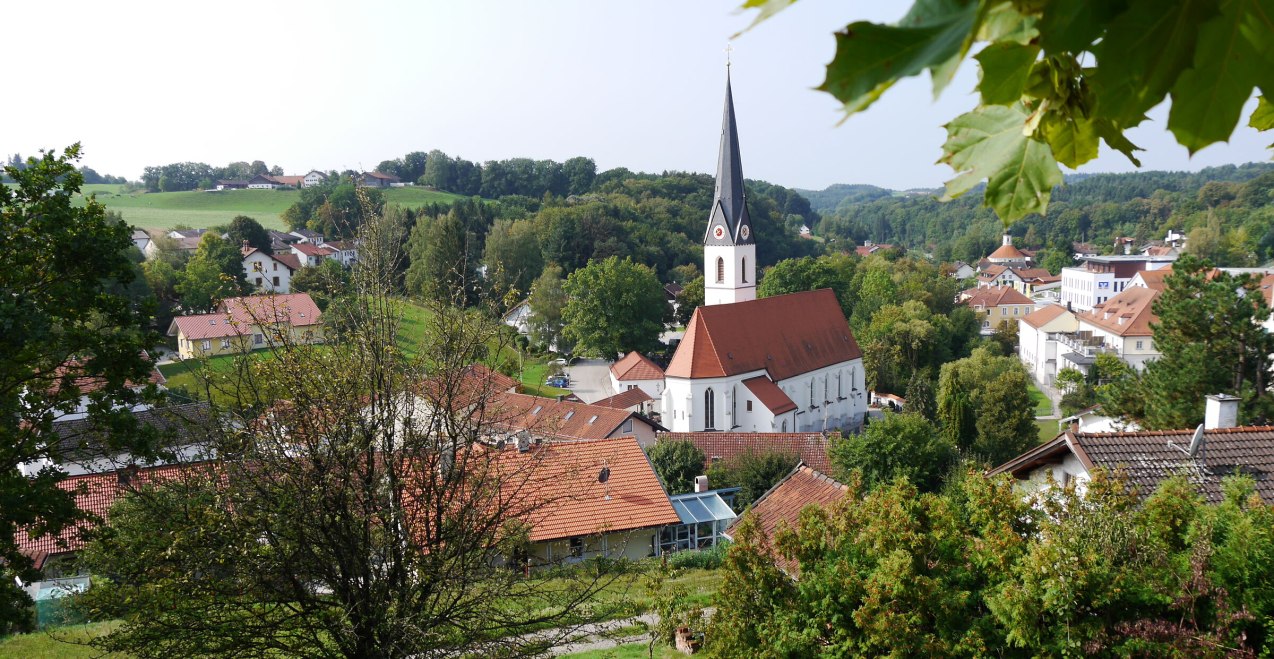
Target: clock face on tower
point(718, 232)
point(745, 231)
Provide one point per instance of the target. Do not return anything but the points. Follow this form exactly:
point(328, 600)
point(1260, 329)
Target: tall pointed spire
point(729, 208)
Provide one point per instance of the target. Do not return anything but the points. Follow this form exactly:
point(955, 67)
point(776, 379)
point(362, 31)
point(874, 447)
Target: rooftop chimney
point(1222, 411)
point(701, 483)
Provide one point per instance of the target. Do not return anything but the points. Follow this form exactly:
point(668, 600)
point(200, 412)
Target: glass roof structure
point(700, 507)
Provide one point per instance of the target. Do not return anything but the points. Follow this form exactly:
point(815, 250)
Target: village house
point(1120, 325)
point(523, 415)
point(141, 239)
point(635, 371)
point(1037, 340)
point(83, 446)
point(262, 182)
point(782, 504)
point(1027, 281)
point(868, 248)
point(243, 324)
point(996, 306)
point(519, 317)
point(1102, 277)
point(311, 255)
point(269, 273)
point(961, 270)
point(379, 180)
point(231, 184)
point(313, 178)
point(633, 400)
point(1204, 455)
point(344, 252)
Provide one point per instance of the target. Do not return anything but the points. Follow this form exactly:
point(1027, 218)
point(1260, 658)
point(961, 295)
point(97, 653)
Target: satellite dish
point(500, 444)
point(603, 475)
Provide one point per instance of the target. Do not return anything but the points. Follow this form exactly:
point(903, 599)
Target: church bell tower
point(729, 247)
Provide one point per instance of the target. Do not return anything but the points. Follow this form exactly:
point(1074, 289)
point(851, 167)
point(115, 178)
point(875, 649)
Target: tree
point(243, 228)
point(985, 407)
point(1069, 379)
point(365, 515)
point(68, 322)
point(898, 446)
point(512, 256)
point(1055, 82)
point(614, 307)
point(548, 301)
point(810, 274)
point(214, 273)
point(920, 395)
point(324, 282)
point(677, 462)
point(443, 262)
point(688, 299)
point(753, 472)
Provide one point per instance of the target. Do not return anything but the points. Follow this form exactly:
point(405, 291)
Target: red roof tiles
point(1129, 313)
point(561, 419)
point(994, 296)
point(635, 366)
point(770, 395)
point(783, 503)
point(1042, 317)
point(237, 316)
point(625, 399)
point(785, 335)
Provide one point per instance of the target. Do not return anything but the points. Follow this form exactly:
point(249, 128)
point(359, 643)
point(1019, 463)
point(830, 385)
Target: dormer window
point(212, 321)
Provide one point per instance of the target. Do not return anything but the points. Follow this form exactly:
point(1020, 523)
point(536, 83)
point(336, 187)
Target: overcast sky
point(317, 85)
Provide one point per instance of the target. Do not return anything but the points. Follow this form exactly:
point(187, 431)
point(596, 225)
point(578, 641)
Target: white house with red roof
point(635, 371)
point(243, 324)
point(311, 255)
point(777, 364)
point(1037, 340)
point(269, 273)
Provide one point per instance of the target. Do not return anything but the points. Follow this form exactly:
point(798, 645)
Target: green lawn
point(59, 643)
point(629, 651)
point(1048, 429)
point(533, 375)
point(162, 210)
point(1043, 406)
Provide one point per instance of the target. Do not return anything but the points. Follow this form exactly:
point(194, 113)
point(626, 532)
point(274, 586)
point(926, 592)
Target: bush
point(704, 559)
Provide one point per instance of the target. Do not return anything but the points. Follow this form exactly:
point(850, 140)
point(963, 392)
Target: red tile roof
point(560, 480)
point(783, 503)
point(995, 296)
point(1043, 316)
point(290, 180)
point(561, 419)
point(770, 395)
point(94, 494)
point(289, 260)
point(625, 399)
point(809, 447)
point(1007, 253)
point(635, 366)
point(497, 381)
point(313, 250)
point(1129, 313)
point(236, 316)
point(89, 384)
point(785, 335)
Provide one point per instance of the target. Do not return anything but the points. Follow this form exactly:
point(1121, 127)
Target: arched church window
point(720, 270)
point(743, 269)
point(784, 425)
point(708, 411)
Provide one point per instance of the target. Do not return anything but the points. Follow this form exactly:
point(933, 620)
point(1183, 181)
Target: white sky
point(319, 85)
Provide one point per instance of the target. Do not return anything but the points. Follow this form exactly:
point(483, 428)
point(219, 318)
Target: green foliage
point(1069, 379)
point(701, 559)
point(753, 472)
point(512, 256)
point(214, 273)
point(68, 319)
point(548, 302)
point(1044, 98)
point(324, 282)
point(444, 260)
point(811, 274)
point(677, 463)
point(243, 228)
point(690, 298)
point(900, 445)
point(985, 407)
point(614, 307)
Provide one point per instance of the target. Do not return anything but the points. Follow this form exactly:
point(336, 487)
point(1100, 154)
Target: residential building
point(231, 184)
point(1026, 280)
point(282, 242)
point(289, 181)
point(868, 248)
point(809, 447)
point(379, 180)
point(635, 371)
point(313, 178)
point(744, 362)
point(269, 273)
point(307, 236)
point(782, 504)
point(243, 324)
point(262, 182)
point(961, 270)
point(1037, 340)
point(559, 419)
point(519, 317)
point(83, 446)
point(633, 400)
point(1102, 277)
point(141, 239)
point(1205, 455)
point(997, 305)
point(311, 255)
point(1121, 325)
point(344, 252)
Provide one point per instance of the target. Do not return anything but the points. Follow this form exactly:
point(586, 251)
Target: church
point(780, 364)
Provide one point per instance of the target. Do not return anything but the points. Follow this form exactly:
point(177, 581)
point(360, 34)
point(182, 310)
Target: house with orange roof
point(1100, 278)
point(1121, 325)
point(269, 273)
point(782, 504)
point(775, 364)
point(996, 306)
point(1037, 340)
point(243, 324)
point(523, 416)
point(636, 371)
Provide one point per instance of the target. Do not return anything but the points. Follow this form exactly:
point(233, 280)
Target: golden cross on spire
point(728, 48)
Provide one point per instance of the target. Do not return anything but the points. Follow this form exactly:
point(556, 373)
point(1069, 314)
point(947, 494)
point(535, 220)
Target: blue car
point(559, 381)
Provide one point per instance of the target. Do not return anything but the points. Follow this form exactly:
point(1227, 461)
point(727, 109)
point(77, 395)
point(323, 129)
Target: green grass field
point(1043, 406)
point(1048, 429)
point(628, 651)
point(162, 210)
point(59, 643)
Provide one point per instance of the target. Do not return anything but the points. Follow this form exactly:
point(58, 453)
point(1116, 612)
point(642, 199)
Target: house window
point(276, 266)
point(743, 269)
point(258, 281)
point(734, 407)
point(257, 266)
point(749, 406)
point(628, 425)
point(840, 391)
point(258, 339)
point(631, 387)
point(784, 426)
point(577, 547)
point(206, 345)
point(811, 394)
point(720, 270)
point(709, 414)
point(1139, 343)
point(276, 281)
point(986, 324)
point(225, 343)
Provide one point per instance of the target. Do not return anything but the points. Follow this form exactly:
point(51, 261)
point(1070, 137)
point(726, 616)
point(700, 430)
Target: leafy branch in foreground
point(1059, 77)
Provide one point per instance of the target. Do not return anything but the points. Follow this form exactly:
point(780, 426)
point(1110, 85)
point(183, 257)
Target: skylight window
point(593, 419)
point(537, 409)
point(569, 415)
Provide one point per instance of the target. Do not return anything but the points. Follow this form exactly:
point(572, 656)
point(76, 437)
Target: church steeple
point(729, 246)
point(729, 208)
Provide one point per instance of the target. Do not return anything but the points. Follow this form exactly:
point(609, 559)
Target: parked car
point(559, 381)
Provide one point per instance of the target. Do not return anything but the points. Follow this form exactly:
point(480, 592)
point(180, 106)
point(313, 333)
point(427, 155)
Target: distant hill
point(830, 197)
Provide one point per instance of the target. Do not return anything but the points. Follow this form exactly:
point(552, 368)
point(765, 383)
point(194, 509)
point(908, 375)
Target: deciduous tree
point(900, 445)
point(614, 307)
point(677, 462)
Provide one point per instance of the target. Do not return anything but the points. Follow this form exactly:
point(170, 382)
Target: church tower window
point(708, 411)
point(720, 270)
point(743, 269)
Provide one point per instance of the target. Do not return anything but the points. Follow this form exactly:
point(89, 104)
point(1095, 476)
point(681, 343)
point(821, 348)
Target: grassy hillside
point(161, 210)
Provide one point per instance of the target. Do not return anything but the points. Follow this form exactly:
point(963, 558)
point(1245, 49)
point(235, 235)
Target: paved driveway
point(590, 379)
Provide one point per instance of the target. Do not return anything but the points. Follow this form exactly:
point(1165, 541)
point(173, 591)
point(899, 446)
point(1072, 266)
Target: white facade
point(653, 388)
point(266, 274)
point(519, 318)
point(1038, 351)
point(1082, 289)
point(828, 398)
point(312, 179)
point(1135, 350)
point(729, 273)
